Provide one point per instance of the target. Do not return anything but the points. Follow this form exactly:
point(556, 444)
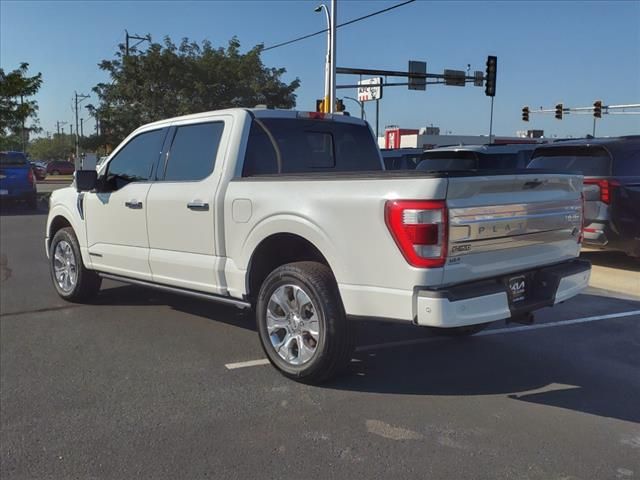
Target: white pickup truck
point(292, 214)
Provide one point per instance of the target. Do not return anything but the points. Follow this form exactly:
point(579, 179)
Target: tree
point(168, 80)
point(16, 109)
point(59, 147)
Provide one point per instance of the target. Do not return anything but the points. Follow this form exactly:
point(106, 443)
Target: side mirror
point(86, 180)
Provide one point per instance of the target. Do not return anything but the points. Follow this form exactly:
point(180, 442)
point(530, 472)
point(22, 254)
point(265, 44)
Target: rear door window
point(592, 161)
point(193, 151)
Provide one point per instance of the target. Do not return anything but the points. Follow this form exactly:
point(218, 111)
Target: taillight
point(419, 228)
point(30, 178)
point(605, 189)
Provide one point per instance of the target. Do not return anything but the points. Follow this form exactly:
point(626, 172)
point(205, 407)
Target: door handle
point(196, 205)
point(133, 204)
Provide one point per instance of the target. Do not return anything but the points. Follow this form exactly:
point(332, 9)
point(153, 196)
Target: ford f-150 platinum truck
point(293, 214)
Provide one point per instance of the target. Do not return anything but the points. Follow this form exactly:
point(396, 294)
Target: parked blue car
point(17, 181)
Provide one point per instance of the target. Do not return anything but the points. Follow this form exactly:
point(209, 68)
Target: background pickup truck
point(293, 214)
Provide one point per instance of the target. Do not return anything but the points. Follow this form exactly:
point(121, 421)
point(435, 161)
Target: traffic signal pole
point(491, 122)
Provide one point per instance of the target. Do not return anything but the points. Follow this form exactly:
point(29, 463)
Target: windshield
point(589, 161)
point(12, 158)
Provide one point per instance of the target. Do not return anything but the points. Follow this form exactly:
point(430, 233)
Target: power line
point(304, 37)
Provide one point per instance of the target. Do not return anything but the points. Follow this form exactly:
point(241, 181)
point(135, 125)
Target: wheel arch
point(276, 250)
point(61, 217)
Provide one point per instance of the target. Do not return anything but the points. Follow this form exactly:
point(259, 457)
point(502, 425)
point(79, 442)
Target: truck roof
point(257, 112)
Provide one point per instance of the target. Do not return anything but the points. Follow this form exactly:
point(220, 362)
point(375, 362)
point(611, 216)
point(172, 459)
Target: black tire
point(335, 343)
point(87, 282)
point(466, 331)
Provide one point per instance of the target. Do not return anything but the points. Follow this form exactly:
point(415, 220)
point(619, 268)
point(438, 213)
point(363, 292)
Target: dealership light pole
point(327, 63)
point(332, 30)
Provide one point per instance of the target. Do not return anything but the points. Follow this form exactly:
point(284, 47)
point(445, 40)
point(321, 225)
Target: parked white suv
point(292, 214)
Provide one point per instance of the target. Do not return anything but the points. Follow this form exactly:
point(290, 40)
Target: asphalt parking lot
point(144, 384)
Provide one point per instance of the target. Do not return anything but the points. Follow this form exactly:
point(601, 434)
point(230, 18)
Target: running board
point(180, 291)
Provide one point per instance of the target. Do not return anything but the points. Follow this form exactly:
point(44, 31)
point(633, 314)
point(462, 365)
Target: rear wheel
point(71, 279)
point(301, 322)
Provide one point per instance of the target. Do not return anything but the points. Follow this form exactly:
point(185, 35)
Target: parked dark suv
point(477, 157)
point(611, 169)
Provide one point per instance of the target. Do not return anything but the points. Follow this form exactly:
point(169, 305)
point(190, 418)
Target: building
point(429, 137)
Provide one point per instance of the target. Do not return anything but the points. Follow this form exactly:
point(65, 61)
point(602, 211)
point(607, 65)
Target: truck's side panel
point(344, 219)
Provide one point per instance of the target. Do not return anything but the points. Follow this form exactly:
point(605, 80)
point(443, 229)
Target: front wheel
point(71, 279)
point(301, 322)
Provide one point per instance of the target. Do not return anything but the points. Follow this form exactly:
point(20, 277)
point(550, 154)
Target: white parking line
point(250, 363)
point(497, 331)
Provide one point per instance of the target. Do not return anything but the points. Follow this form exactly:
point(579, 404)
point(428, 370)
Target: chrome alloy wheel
point(65, 267)
point(292, 324)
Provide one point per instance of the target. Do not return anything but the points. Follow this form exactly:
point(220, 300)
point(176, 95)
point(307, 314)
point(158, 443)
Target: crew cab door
point(116, 215)
point(182, 208)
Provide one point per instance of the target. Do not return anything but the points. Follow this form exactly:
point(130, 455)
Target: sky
point(572, 52)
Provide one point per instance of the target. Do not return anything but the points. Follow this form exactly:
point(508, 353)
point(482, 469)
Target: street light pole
point(332, 30)
point(327, 63)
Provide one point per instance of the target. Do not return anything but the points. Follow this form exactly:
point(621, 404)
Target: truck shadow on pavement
point(612, 260)
point(591, 368)
point(131, 295)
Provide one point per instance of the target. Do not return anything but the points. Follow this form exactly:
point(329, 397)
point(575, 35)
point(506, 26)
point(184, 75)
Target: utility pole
point(60, 124)
point(78, 100)
point(81, 127)
point(128, 37)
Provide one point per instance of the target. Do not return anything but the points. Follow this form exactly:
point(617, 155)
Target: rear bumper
point(17, 193)
point(488, 300)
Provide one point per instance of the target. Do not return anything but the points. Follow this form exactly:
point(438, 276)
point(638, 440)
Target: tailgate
point(510, 223)
point(13, 176)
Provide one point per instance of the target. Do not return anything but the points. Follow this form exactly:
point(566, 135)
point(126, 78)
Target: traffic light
point(597, 109)
point(490, 82)
point(339, 105)
point(320, 105)
point(525, 114)
point(559, 109)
